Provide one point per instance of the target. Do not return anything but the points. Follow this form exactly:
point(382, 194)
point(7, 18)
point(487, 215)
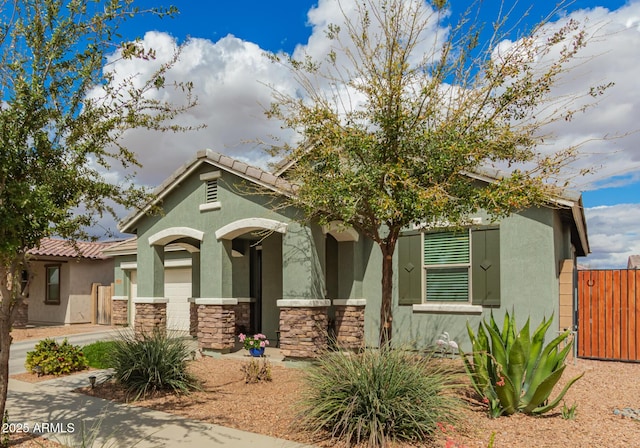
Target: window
point(210, 201)
point(446, 266)
point(450, 267)
point(24, 280)
point(53, 285)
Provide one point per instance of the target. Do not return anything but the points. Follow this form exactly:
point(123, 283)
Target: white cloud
point(608, 131)
point(614, 234)
point(231, 77)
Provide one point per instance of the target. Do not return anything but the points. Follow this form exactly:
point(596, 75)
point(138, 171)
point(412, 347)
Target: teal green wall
point(120, 277)
point(293, 263)
point(529, 245)
point(532, 243)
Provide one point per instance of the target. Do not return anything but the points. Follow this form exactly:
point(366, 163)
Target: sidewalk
point(52, 405)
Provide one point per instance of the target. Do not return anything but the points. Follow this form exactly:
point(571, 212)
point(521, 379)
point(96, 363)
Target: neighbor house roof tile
point(52, 247)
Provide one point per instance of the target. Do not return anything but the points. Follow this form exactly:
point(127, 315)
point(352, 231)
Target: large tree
point(408, 103)
point(62, 113)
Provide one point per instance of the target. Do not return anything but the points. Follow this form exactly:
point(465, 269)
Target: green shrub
point(154, 362)
point(379, 395)
point(512, 372)
point(55, 358)
point(97, 354)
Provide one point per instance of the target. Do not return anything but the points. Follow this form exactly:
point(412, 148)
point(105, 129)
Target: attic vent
point(212, 191)
point(211, 201)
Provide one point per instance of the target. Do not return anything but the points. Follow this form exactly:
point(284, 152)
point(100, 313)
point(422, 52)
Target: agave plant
point(511, 370)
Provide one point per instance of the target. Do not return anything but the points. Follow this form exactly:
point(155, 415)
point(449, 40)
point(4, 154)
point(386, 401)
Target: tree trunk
point(386, 312)
point(5, 344)
point(8, 308)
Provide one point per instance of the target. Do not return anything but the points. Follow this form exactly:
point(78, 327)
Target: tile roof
point(51, 247)
point(124, 247)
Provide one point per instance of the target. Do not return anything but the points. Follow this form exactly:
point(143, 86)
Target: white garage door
point(177, 288)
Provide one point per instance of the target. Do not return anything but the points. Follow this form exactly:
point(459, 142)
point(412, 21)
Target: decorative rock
point(628, 412)
point(150, 317)
point(349, 326)
point(119, 312)
point(216, 327)
point(303, 331)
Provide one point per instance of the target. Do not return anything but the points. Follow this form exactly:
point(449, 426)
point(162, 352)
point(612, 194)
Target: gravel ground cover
point(607, 399)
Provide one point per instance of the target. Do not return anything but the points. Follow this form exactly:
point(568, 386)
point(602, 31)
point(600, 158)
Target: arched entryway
point(256, 259)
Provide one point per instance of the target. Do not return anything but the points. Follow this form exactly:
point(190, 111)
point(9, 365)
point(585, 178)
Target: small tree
point(62, 114)
point(399, 114)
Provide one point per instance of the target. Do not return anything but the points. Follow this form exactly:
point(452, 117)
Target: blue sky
point(225, 61)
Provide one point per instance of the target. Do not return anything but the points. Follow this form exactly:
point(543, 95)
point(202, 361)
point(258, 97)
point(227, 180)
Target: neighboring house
point(63, 275)
point(634, 262)
point(232, 248)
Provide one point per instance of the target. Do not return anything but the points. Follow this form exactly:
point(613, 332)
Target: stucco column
point(303, 328)
point(349, 323)
point(150, 270)
point(302, 263)
point(216, 269)
point(195, 274)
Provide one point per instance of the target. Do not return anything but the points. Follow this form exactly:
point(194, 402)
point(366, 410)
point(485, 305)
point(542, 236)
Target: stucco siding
point(76, 278)
point(181, 208)
point(528, 279)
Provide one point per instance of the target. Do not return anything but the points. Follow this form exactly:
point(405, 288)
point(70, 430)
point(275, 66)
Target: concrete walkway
point(64, 416)
point(51, 408)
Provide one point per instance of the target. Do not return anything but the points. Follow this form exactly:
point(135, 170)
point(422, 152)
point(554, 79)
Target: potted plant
point(255, 344)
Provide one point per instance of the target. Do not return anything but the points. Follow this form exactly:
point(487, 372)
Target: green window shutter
point(409, 270)
point(485, 267)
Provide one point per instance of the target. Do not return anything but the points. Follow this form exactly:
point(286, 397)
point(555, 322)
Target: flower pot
point(256, 352)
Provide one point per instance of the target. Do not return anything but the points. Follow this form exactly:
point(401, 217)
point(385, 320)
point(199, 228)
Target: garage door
point(177, 288)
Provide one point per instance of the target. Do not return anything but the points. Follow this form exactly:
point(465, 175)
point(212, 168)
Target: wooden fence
point(609, 314)
point(101, 299)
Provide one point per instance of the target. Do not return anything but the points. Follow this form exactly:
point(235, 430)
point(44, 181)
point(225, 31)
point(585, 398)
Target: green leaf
point(516, 368)
point(556, 401)
point(508, 396)
point(498, 349)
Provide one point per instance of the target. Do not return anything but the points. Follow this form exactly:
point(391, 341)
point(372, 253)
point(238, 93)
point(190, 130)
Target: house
point(225, 256)
point(633, 262)
point(63, 275)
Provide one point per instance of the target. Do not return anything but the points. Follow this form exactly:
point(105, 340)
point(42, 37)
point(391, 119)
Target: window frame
point(435, 267)
point(47, 296)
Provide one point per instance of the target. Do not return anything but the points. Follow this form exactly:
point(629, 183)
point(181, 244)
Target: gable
point(204, 162)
